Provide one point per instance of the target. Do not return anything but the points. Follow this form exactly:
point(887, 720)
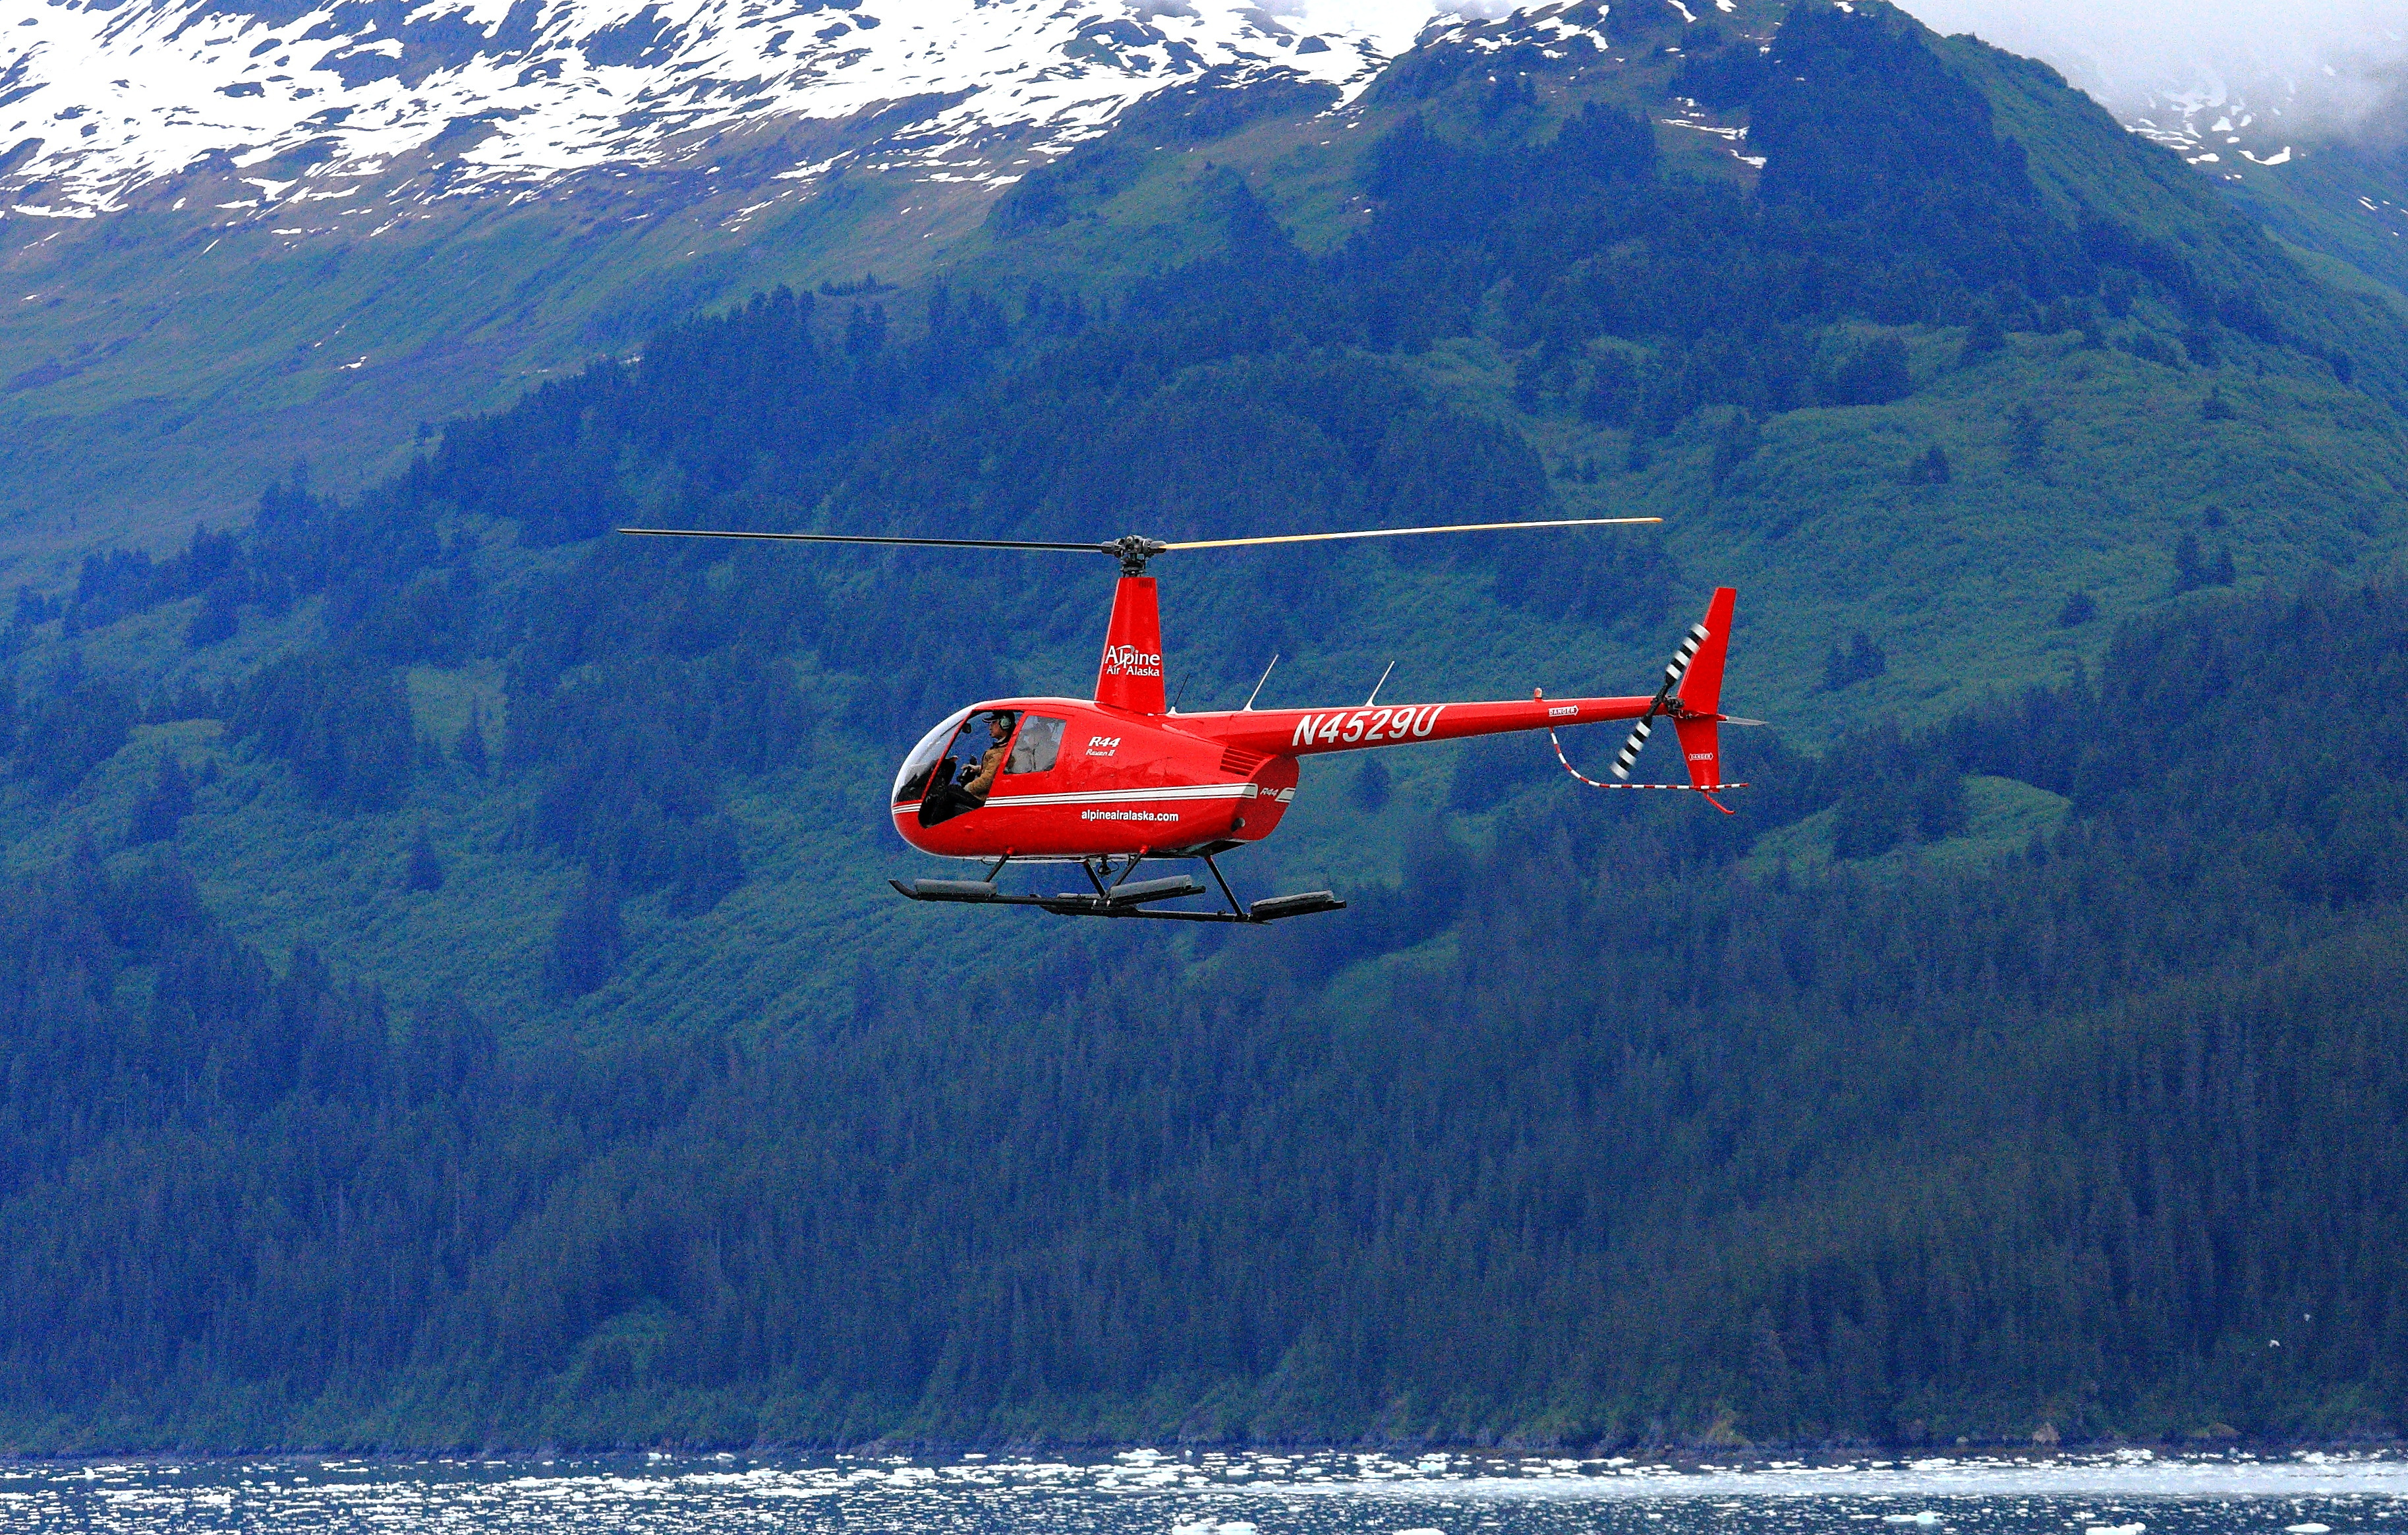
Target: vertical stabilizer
point(1130, 676)
point(1701, 695)
point(1702, 687)
point(1701, 752)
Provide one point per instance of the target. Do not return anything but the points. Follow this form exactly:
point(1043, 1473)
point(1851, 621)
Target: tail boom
point(1304, 732)
point(1690, 697)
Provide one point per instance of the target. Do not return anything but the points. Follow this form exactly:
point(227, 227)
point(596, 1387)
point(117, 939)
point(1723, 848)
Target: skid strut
point(1124, 896)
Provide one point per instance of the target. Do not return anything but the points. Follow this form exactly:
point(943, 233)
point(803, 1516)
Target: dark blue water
point(1149, 1493)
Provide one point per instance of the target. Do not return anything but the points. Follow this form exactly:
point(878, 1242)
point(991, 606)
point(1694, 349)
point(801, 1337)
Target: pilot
point(999, 728)
point(944, 801)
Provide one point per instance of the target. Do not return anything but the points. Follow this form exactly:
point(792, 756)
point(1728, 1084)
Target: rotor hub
point(1133, 551)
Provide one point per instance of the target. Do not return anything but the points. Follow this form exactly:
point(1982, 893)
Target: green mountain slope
point(1553, 305)
point(1909, 342)
point(2343, 204)
point(156, 369)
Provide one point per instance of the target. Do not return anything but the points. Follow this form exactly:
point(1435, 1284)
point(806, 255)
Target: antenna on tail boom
point(1378, 685)
point(1259, 684)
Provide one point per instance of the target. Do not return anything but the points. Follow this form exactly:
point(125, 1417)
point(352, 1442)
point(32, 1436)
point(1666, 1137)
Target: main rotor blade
point(861, 539)
point(1405, 532)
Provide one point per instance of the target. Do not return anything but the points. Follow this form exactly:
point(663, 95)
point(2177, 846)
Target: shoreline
point(1433, 1466)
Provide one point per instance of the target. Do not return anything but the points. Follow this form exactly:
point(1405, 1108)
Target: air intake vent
point(1242, 762)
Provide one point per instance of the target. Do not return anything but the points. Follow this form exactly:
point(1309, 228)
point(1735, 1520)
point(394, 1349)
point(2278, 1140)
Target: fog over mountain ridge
point(2334, 67)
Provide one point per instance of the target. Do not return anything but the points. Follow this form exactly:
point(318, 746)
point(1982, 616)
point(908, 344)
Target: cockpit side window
point(1039, 745)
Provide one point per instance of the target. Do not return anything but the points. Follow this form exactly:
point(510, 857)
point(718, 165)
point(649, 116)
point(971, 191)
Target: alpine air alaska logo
point(1129, 661)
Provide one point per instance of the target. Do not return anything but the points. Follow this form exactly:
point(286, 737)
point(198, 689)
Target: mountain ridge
point(505, 96)
point(161, 364)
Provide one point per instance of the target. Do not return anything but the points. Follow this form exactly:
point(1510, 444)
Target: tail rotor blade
point(1629, 753)
point(1674, 670)
point(1677, 667)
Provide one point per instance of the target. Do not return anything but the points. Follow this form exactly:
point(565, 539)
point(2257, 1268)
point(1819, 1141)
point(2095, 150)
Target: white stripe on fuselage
point(1122, 796)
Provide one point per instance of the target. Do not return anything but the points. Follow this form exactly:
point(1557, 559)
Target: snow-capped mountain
point(102, 99)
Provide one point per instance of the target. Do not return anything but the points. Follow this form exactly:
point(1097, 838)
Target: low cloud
point(2326, 65)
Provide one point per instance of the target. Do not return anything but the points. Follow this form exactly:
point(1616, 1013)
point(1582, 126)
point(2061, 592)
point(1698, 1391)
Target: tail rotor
point(1691, 697)
point(1673, 671)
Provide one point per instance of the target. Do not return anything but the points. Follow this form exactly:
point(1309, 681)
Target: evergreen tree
point(1860, 660)
point(1985, 336)
point(587, 942)
point(159, 812)
point(1875, 375)
point(218, 618)
point(2027, 435)
point(471, 747)
point(1739, 441)
point(1373, 784)
point(864, 330)
point(422, 868)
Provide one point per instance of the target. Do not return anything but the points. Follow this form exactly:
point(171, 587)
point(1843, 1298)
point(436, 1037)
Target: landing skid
point(1125, 897)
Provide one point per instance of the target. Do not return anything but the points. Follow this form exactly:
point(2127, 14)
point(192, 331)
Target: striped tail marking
point(1630, 749)
point(1688, 652)
point(1673, 671)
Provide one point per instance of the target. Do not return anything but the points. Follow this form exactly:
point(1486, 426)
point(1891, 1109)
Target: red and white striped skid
point(1676, 788)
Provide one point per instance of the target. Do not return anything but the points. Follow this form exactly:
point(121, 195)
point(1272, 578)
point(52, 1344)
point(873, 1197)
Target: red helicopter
point(1124, 778)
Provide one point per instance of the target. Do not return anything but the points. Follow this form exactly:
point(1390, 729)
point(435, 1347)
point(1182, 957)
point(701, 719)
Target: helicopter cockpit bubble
point(912, 782)
point(959, 783)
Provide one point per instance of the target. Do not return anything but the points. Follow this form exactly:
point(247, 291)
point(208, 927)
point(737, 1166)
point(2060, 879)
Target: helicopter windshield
point(911, 782)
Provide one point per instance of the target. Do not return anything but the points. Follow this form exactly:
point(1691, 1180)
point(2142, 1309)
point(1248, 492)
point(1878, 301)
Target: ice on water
point(1159, 1491)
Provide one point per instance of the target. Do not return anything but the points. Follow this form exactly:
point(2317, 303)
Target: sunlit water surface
point(1142, 1492)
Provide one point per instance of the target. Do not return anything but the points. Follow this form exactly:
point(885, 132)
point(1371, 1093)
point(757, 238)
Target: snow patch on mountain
point(100, 99)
